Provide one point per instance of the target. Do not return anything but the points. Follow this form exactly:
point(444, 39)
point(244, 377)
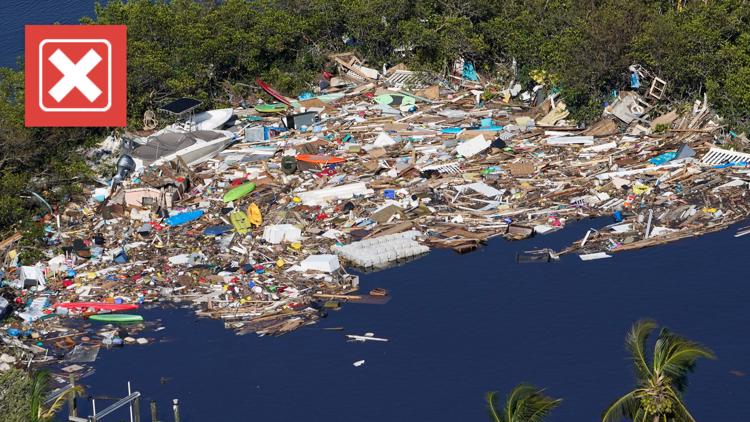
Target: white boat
point(364, 338)
point(207, 120)
point(193, 147)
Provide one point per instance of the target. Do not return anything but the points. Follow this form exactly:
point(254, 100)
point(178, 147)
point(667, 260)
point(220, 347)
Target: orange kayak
point(319, 159)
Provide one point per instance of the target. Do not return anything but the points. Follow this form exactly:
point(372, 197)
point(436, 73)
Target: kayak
point(254, 215)
point(320, 159)
point(184, 217)
point(117, 318)
point(98, 306)
point(271, 108)
point(239, 192)
point(240, 221)
point(272, 92)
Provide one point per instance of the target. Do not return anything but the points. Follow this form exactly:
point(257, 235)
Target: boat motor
point(125, 166)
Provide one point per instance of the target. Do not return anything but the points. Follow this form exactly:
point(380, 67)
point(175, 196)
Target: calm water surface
point(14, 14)
point(458, 327)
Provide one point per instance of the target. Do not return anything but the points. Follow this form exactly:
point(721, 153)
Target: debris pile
point(252, 215)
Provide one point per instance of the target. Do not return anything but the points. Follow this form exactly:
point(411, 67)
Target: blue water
point(459, 326)
point(14, 14)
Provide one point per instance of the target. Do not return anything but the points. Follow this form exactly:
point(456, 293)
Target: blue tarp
point(469, 72)
point(664, 158)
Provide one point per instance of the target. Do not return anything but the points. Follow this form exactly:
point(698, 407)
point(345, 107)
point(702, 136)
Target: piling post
point(176, 409)
point(137, 409)
point(72, 408)
point(154, 418)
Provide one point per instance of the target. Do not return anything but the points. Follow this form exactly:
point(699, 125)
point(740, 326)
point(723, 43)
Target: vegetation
point(525, 403)
point(661, 381)
point(214, 51)
point(22, 397)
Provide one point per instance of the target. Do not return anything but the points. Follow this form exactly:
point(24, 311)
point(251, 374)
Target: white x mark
point(75, 75)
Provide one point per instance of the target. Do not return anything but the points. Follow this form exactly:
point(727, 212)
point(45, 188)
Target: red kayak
point(272, 92)
point(98, 306)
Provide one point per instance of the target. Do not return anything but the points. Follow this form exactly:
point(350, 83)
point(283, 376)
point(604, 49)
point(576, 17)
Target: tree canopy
point(214, 51)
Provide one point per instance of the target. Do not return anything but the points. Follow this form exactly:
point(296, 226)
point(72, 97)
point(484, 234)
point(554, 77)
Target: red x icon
point(76, 75)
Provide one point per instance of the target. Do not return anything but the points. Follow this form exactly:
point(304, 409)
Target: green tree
point(525, 403)
point(661, 380)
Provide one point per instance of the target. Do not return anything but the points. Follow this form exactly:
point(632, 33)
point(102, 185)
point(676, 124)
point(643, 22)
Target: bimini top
point(181, 106)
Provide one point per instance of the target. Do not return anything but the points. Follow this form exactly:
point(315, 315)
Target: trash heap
point(252, 217)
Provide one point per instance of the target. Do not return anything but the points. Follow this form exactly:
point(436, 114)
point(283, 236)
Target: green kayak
point(117, 318)
point(271, 108)
point(239, 192)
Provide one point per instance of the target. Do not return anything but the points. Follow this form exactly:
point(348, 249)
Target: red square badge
point(76, 75)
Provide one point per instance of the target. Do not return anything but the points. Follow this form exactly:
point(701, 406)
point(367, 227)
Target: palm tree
point(525, 403)
point(661, 382)
point(38, 395)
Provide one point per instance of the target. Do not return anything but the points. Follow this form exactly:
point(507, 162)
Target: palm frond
point(539, 407)
point(39, 388)
point(515, 401)
point(635, 343)
point(681, 414)
point(529, 404)
point(491, 398)
point(675, 356)
point(49, 413)
point(625, 407)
